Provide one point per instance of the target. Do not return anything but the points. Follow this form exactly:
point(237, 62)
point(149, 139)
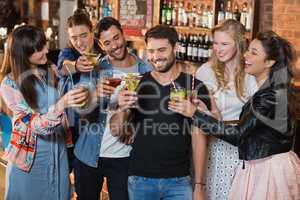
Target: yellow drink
point(84, 103)
point(92, 58)
point(132, 82)
point(179, 94)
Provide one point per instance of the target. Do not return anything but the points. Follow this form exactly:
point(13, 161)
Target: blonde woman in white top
point(225, 78)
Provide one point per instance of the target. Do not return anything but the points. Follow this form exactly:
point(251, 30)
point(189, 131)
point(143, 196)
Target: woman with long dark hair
point(265, 132)
point(37, 159)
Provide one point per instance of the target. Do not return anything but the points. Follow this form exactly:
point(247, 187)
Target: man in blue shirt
point(99, 154)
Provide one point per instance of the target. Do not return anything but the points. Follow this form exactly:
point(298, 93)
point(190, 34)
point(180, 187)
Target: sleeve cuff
point(55, 111)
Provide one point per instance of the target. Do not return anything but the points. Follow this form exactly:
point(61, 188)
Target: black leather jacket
point(264, 128)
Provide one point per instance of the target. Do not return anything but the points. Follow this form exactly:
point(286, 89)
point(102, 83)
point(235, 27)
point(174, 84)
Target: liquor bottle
point(175, 13)
point(194, 16)
point(169, 14)
point(210, 18)
point(106, 10)
point(228, 13)
point(198, 17)
point(205, 48)
point(180, 14)
point(184, 48)
point(178, 51)
point(195, 49)
point(100, 9)
point(244, 13)
point(236, 13)
point(190, 15)
point(204, 17)
point(185, 17)
point(210, 49)
point(249, 19)
point(163, 13)
point(221, 13)
point(200, 49)
point(190, 48)
point(109, 10)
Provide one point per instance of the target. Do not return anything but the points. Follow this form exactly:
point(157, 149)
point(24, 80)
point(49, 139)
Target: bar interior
point(193, 20)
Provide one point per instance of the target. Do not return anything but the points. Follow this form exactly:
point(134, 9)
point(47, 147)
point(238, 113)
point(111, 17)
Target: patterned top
point(28, 122)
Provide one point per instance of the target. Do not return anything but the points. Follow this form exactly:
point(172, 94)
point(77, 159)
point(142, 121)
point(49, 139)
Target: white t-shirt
point(227, 101)
point(110, 145)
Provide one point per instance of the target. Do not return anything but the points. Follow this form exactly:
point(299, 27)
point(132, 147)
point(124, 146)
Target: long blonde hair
point(237, 32)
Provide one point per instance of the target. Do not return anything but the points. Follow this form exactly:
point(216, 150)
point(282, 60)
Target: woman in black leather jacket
point(264, 134)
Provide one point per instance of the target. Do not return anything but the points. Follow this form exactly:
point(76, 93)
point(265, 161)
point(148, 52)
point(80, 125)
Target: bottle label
point(190, 51)
point(195, 51)
point(200, 53)
point(183, 49)
point(163, 16)
point(205, 53)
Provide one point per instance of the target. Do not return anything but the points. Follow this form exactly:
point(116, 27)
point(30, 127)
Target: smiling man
point(102, 155)
point(159, 166)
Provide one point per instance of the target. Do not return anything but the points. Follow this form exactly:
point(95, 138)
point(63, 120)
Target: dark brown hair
point(21, 44)
point(162, 32)
point(80, 17)
point(284, 55)
point(105, 23)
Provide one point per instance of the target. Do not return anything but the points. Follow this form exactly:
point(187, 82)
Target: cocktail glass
point(132, 81)
point(93, 58)
point(192, 95)
point(177, 94)
point(84, 104)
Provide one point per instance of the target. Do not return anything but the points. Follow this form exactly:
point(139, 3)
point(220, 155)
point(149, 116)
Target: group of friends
point(233, 141)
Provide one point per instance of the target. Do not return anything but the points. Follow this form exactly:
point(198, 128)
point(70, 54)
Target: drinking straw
point(60, 89)
point(174, 85)
point(70, 75)
point(193, 82)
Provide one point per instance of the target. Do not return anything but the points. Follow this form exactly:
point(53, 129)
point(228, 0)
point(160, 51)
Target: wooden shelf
point(192, 30)
point(154, 9)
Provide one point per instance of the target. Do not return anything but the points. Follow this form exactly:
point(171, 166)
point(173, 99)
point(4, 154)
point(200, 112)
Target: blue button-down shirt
point(66, 83)
point(88, 145)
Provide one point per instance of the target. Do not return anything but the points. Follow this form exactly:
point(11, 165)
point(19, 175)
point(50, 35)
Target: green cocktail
point(92, 58)
point(84, 103)
point(132, 81)
point(178, 94)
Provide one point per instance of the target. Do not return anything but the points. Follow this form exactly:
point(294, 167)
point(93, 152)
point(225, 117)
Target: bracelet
point(199, 183)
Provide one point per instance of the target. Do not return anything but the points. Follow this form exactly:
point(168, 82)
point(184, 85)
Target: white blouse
point(227, 101)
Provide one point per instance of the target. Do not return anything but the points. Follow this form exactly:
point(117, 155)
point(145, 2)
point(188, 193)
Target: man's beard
point(168, 65)
point(124, 53)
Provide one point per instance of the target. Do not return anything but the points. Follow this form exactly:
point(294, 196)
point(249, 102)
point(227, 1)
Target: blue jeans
point(142, 188)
